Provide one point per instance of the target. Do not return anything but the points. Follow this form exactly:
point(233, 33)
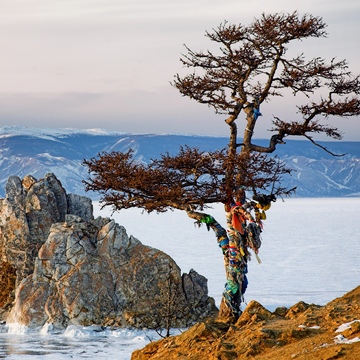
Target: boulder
point(85, 271)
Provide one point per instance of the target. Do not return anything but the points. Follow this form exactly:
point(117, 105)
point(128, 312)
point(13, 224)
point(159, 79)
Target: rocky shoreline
point(60, 266)
point(301, 332)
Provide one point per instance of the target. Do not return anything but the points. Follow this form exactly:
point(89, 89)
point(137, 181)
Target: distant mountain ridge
point(37, 151)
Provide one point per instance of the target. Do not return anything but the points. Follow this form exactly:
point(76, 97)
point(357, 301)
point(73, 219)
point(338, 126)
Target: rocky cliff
point(68, 268)
point(301, 332)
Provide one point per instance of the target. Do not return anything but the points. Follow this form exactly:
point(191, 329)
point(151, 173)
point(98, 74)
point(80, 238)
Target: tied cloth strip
point(241, 236)
point(236, 284)
point(257, 113)
point(254, 241)
point(234, 243)
point(220, 233)
point(252, 230)
point(235, 287)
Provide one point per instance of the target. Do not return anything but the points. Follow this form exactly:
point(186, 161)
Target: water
point(310, 252)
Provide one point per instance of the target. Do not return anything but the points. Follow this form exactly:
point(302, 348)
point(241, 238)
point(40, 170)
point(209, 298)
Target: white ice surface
point(310, 252)
point(310, 249)
point(76, 342)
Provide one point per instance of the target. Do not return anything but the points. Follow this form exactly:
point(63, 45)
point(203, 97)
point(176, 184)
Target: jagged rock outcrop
point(73, 269)
point(26, 215)
point(304, 331)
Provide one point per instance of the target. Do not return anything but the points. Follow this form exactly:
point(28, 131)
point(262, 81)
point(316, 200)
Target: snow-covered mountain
point(37, 151)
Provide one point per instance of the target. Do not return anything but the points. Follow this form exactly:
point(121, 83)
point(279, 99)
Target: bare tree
point(167, 308)
point(251, 67)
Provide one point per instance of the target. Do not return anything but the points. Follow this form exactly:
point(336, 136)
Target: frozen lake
point(75, 343)
point(310, 252)
point(310, 249)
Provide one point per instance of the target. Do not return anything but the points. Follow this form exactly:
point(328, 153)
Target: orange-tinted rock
point(88, 275)
point(7, 284)
point(26, 215)
point(254, 312)
point(296, 310)
point(272, 337)
point(74, 269)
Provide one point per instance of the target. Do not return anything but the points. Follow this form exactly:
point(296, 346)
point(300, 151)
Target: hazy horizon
point(92, 64)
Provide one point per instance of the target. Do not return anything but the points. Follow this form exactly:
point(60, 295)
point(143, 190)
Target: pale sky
point(107, 64)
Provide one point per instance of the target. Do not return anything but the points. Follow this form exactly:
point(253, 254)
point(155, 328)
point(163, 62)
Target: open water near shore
point(310, 252)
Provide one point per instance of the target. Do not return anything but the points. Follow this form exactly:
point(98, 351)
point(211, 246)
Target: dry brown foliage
point(251, 67)
point(191, 178)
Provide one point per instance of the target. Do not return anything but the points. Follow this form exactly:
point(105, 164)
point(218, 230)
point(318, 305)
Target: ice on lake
point(310, 252)
point(76, 342)
point(310, 248)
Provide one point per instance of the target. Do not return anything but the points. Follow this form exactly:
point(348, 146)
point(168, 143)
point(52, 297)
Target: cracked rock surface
point(74, 269)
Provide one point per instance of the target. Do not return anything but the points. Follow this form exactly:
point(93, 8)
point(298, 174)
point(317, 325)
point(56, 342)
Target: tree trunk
point(230, 307)
point(225, 311)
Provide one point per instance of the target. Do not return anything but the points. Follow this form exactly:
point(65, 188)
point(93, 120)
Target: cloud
point(78, 62)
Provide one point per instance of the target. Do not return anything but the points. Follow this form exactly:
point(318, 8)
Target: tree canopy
point(250, 68)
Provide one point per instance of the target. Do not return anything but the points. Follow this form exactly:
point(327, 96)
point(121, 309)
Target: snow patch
point(50, 157)
point(331, 183)
point(341, 339)
point(311, 327)
point(345, 326)
point(16, 328)
point(7, 135)
point(47, 329)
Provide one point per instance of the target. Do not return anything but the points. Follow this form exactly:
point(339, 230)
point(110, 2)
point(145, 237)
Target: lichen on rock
point(74, 269)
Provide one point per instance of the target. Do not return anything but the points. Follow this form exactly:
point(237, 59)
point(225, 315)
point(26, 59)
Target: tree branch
point(322, 147)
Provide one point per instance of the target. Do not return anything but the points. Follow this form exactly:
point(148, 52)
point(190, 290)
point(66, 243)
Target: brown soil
point(300, 332)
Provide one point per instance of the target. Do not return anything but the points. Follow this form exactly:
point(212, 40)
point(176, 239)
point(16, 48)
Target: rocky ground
point(300, 332)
